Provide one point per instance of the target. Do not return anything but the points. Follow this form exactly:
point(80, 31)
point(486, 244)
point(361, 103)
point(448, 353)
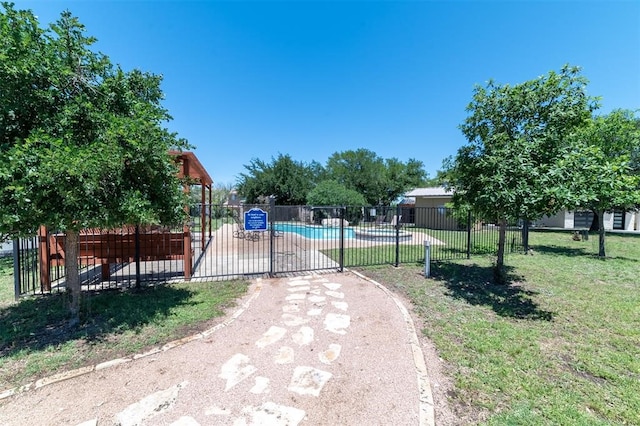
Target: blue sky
point(251, 79)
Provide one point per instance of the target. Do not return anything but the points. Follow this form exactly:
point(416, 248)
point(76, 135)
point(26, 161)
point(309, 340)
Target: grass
point(6, 280)
point(35, 340)
point(560, 344)
point(454, 246)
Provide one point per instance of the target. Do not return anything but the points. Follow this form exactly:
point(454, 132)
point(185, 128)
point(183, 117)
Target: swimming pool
point(313, 232)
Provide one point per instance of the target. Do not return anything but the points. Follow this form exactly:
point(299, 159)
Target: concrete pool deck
point(228, 256)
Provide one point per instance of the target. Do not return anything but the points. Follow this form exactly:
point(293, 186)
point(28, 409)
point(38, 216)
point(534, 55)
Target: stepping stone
point(284, 355)
point(271, 336)
point(317, 299)
point(261, 386)
point(336, 294)
point(308, 380)
point(296, 296)
point(340, 305)
point(271, 413)
point(314, 312)
point(236, 370)
point(332, 286)
point(304, 336)
point(185, 421)
point(156, 403)
point(331, 354)
point(299, 289)
point(336, 323)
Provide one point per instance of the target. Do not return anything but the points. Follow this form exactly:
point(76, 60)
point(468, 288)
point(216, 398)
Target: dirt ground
point(319, 350)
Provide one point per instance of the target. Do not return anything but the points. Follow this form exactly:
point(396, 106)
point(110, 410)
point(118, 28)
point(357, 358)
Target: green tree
point(400, 177)
point(83, 142)
point(332, 193)
point(515, 136)
point(361, 170)
point(380, 181)
point(599, 167)
point(288, 180)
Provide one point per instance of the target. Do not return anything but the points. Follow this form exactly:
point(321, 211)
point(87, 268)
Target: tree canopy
point(332, 193)
point(362, 171)
point(516, 134)
point(83, 142)
point(599, 169)
point(289, 181)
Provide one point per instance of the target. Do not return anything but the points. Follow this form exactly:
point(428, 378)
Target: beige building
point(430, 208)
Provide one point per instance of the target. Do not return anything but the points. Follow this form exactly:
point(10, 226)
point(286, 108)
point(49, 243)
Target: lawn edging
point(65, 375)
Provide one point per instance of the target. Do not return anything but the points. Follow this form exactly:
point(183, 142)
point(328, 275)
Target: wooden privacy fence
point(115, 246)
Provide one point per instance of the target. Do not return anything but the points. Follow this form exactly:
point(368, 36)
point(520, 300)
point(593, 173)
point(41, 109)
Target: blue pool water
point(313, 232)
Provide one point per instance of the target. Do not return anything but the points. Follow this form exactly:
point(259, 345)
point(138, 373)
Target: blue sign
point(255, 220)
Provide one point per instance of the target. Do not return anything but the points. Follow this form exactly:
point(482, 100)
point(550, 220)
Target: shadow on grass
point(37, 323)
point(576, 252)
point(475, 285)
point(562, 251)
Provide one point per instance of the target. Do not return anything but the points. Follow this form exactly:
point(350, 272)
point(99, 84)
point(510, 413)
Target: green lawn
point(448, 245)
point(35, 340)
point(559, 345)
point(6, 281)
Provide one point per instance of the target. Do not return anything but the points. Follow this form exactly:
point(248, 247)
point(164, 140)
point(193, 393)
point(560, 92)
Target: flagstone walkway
point(320, 350)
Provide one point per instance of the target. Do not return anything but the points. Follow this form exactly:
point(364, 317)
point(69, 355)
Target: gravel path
point(319, 350)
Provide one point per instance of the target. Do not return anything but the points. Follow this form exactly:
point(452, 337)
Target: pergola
point(191, 168)
point(98, 246)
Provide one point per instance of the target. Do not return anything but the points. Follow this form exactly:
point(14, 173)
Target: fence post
point(137, 255)
point(398, 219)
point(16, 269)
point(341, 256)
point(44, 258)
point(469, 235)
point(272, 213)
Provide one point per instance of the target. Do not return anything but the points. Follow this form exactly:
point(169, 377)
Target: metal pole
point(342, 215)
point(16, 268)
point(398, 219)
point(272, 213)
point(427, 258)
point(469, 235)
point(137, 255)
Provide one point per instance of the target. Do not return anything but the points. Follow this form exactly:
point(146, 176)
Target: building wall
point(565, 219)
point(632, 221)
point(562, 219)
point(432, 201)
point(431, 213)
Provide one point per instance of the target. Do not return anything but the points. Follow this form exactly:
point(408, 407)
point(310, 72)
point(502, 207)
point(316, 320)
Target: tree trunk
point(72, 275)
point(601, 251)
point(595, 222)
point(498, 273)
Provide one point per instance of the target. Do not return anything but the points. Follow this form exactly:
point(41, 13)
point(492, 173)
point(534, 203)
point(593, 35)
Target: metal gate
point(223, 244)
point(292, 242)
point(308, 238)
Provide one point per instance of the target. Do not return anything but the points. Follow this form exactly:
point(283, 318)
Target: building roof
point(433, 192)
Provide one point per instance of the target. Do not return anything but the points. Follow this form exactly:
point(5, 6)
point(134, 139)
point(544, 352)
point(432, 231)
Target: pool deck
point(229, 256)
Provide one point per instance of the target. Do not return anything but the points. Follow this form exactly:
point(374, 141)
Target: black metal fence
point(292, 239)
